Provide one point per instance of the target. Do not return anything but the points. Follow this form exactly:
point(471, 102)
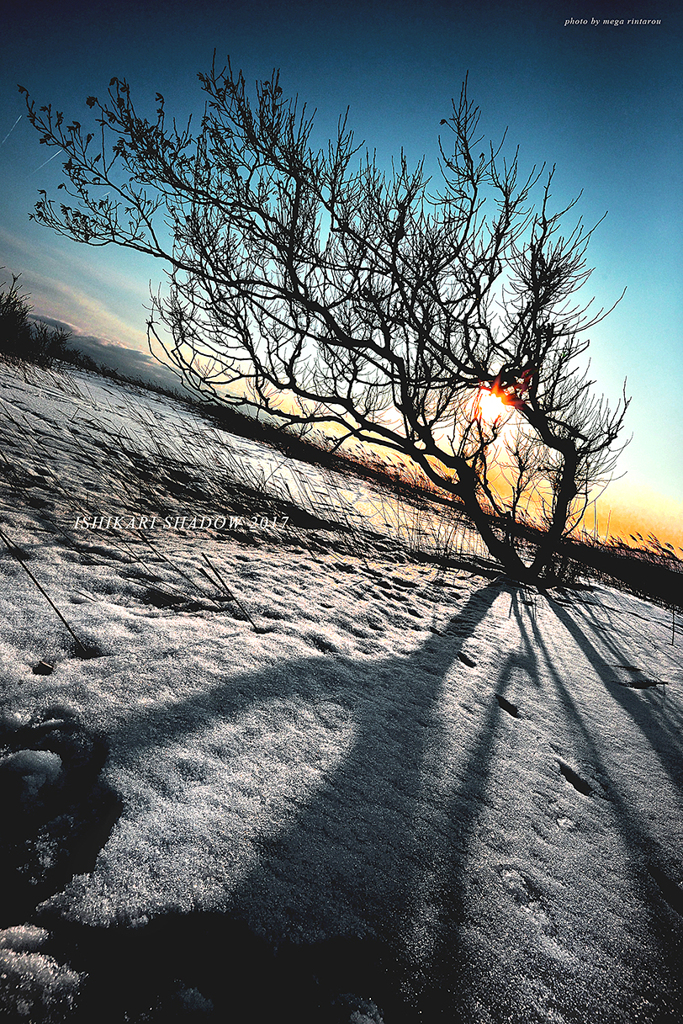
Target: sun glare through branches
point(490, 407)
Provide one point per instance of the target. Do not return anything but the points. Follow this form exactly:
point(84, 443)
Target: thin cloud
point(129, 361)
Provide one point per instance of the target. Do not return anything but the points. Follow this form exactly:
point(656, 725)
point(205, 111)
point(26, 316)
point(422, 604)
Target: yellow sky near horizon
point(623, 509)
point(630, 509)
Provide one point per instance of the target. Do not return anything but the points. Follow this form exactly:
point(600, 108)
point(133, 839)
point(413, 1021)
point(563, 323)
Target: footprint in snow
point(516, 884)
point(511, 709)
point(521, 891)
point(579, 784)
point(322, 643)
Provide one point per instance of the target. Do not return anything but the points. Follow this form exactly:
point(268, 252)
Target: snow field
point(473, 775)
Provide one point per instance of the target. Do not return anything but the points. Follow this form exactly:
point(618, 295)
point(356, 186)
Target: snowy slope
point(477, 788)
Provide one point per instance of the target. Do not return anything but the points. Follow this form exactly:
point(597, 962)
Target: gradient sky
point(602, 102)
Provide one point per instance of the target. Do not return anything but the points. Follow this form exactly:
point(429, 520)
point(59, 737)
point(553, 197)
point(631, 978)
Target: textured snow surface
point(484, 780)
point(33, 986)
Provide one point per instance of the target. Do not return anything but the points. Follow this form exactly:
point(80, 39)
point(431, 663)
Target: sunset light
point(341, 512)
point(491, 406)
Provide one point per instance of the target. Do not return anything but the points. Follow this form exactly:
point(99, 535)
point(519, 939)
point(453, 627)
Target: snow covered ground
point(342, 784)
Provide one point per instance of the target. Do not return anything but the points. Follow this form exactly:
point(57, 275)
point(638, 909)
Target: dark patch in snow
point(642, 684)
point(511, 709)
point(34, 502)
point(57, 812)
point(15, 552)
point(87, 651)
point(672, 893)
point(43, 668)
point(322, 643)
point(180, 475)
point(638, 683)
point(207, 966)
point(163, 599)
point(576, 781)
point(466, 660)
point(399, 581)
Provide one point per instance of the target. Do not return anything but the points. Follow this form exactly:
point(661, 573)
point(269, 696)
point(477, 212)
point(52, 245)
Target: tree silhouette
point(309, 283)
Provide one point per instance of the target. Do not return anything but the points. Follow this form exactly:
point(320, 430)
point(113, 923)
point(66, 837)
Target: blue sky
point(602, 102)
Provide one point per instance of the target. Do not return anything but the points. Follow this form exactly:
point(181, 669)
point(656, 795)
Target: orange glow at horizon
point(626, 512)
point(623, 511)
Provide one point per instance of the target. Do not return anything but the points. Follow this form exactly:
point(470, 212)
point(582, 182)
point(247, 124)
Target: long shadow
point(665, 741)
point(348, 866)
point(658, 969)
point(440, 977)
point(403, 685)
point(458, 974)
point(455, 979)
point(369, 861)
point(372, 863)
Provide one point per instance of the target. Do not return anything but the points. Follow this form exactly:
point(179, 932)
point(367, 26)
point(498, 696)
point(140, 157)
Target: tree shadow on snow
point(366, 892)
point(336, 890)
point(653, 975)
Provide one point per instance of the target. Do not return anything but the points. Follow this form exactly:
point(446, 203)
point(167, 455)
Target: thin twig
point(227, 589)
point(13, 550)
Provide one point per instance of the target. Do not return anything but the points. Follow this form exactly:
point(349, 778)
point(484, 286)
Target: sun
point(490, 406)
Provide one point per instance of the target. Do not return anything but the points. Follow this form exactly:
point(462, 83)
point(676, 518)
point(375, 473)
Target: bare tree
point(308, 282)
